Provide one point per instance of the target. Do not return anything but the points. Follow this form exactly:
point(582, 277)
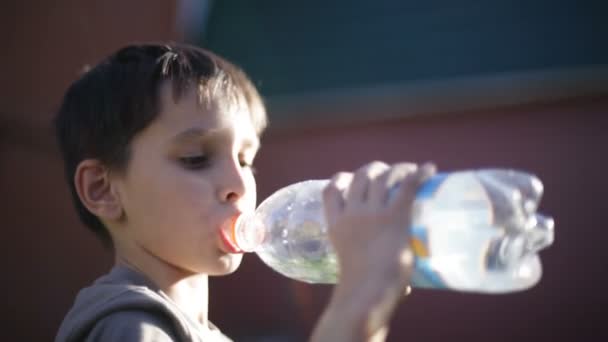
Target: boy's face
point(189, 174)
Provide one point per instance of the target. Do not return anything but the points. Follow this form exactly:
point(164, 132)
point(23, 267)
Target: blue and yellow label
point(424, 275)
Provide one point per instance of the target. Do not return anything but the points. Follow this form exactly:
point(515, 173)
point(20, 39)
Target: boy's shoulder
point(133, 325)
point(123, 302)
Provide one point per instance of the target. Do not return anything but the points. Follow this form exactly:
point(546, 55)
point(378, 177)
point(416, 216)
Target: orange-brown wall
point(47, 255)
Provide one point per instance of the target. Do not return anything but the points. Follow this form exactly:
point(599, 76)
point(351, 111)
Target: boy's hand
point(368, 214)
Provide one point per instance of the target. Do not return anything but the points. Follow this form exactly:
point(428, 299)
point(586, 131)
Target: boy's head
point(113, 102)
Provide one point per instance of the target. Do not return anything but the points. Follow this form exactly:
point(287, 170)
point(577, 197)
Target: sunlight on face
point(190, 173)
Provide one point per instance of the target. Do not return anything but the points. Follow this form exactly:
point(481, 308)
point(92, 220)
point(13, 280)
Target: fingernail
point(429, 167)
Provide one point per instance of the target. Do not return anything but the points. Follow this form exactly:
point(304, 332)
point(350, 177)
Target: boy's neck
point(191, 294)
point(187, 290)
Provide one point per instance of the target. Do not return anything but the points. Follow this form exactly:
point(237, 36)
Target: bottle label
point(429, 187)
point(424, 274)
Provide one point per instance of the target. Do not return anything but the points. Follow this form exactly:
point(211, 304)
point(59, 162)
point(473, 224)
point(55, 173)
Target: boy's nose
point(231, 197)
point(232, 184)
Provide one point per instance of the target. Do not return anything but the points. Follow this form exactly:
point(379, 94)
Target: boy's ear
point(93, 186)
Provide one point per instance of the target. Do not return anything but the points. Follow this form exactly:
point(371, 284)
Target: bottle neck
point(248, 232)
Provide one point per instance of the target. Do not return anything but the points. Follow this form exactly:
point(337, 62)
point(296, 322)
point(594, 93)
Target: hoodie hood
point(122, 289)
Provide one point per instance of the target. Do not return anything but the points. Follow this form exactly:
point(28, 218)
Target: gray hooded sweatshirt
point(125, 306)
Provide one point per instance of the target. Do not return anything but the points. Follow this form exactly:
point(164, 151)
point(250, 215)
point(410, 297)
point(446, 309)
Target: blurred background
point(466, 84)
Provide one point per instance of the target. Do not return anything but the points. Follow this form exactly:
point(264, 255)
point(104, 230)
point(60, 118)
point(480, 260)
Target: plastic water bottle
point(474, 231)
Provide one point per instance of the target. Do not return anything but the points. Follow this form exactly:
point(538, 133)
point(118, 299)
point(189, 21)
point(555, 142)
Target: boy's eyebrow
point(196, 133)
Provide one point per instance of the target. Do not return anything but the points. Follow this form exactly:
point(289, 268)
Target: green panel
point(298, 46)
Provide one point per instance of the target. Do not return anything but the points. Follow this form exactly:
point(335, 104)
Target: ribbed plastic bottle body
point(478, 231)
point(472, 231)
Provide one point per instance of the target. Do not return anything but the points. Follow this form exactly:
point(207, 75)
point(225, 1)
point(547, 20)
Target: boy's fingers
point(333, 194)
point(409, 186)
point(358, 190)
point(378, 189)
point(399, 172)
point(381, 187)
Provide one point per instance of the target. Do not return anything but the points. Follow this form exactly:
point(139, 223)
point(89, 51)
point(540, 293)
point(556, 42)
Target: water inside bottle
point(479, 233)
point(298, 246)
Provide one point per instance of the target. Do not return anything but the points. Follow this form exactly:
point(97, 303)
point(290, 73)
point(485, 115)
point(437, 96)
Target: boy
point(158, 143)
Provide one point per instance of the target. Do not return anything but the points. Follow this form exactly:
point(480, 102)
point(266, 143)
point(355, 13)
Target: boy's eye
point(194, 162)
point(248, 165)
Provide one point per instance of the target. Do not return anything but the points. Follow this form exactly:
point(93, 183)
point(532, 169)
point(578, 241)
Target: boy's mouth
point(226, 235)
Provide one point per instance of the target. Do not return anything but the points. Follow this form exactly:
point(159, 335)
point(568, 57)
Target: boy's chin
point(228, 264)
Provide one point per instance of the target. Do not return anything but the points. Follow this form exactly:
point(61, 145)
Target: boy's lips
point(226, 236)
